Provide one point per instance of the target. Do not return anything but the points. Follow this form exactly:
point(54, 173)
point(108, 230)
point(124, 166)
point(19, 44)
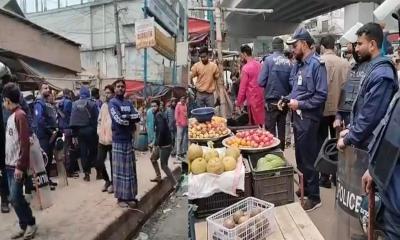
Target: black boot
point(5, 208)
point(86, 178)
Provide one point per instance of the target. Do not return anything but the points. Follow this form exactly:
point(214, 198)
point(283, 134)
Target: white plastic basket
point(255, 228)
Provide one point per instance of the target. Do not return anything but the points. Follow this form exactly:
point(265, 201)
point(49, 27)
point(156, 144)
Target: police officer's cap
point(300, 34)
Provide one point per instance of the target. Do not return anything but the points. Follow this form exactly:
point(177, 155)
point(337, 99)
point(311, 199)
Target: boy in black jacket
point(163, 139)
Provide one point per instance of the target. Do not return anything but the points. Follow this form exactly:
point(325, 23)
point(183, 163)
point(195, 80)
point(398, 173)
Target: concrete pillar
point(358, 12)
point(363, 13)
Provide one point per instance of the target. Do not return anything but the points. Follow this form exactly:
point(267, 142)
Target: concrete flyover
point(286, 17)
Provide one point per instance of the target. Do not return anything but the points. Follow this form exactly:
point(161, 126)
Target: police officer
point(349, 91)
point(377, 89)
point(44, 126)
point(308, 96)
point(274, 77)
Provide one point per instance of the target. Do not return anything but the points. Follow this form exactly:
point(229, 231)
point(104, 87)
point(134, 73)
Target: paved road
point(169, 222)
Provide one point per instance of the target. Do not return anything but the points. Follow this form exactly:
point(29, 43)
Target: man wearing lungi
point(124, 116)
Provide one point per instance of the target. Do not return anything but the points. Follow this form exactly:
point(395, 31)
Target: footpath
point(82, 211)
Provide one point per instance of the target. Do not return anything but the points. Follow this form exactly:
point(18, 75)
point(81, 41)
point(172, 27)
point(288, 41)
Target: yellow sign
point(164, 45)
point(144, 33)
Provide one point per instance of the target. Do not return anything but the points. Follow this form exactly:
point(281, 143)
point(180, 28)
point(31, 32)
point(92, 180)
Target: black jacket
point(163, 134)
point(2, 139)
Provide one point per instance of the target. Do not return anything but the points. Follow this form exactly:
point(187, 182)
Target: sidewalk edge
point(130, 222)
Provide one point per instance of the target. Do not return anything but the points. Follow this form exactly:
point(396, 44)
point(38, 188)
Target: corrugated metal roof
point(33, 25)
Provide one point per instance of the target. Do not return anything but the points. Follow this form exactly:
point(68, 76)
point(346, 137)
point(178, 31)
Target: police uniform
point(309, 88)
point(377, 89)
point(274, 77)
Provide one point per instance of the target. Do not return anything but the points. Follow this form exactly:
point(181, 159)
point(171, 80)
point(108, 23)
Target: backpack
point(51, 114)
point(80, 115)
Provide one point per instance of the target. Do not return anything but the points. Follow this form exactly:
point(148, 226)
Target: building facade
point(91, 23)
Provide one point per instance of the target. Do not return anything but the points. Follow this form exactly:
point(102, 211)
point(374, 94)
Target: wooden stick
point(371, 212)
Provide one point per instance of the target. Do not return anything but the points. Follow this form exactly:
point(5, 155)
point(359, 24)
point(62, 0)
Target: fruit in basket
point(229, 223)
point(194, 151)
point(269, 162)
point(211, 154)
point(255, 211)
point(243, 218)
point(255, 138)
point(229, 163)
point(199, 165)
point(215, 165)
point(236, 215)
point(214, 129)
point(233, 152)
point(217, 119)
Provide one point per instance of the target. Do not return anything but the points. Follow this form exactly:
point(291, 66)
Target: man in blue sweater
point(124, 117)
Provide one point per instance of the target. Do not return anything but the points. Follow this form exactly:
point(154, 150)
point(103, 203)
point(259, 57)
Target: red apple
point(256, 138)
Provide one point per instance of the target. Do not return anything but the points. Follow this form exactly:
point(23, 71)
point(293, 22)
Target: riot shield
point(352, 164)
point(42, 197)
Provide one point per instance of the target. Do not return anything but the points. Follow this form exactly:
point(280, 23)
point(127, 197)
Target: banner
point(145, 35)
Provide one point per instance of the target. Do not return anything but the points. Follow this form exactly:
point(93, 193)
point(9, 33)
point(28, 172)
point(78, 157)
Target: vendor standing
point(207, 74)
point(377, 89)
point(308, 96)
point(249, 89)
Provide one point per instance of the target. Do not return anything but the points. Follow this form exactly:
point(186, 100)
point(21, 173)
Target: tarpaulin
point(135, 88)
point(199, 31)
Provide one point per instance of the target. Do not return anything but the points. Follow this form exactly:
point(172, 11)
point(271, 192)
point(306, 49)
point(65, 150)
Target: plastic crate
point(275, 186)
point(255, 228)
point(218, 201)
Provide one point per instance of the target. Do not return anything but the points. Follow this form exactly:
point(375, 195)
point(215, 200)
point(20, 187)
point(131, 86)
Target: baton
point(371, 212)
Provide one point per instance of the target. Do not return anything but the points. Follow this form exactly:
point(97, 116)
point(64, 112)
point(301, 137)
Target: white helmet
point(4, 70)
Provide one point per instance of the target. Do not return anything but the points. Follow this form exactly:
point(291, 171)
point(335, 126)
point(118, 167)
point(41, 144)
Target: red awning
point(134, 86)
point(393, 37)
point(199, 31)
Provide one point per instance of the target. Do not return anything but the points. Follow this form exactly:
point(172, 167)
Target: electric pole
point(117, 39)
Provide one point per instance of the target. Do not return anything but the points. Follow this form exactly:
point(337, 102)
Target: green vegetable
point(269, 162)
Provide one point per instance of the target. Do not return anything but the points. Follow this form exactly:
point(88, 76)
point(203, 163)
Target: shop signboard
point(145, 35)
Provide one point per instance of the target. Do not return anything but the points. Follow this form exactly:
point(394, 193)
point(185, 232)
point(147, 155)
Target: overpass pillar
point(358, 12)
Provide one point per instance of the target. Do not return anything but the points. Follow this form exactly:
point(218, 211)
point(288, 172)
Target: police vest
point(350, 89)
point(359, 100)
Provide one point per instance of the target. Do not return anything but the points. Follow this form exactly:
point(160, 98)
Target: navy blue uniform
point(43, 126)
point(376, 91)
point(309, 81)
point(83, 122)
point(274, 77)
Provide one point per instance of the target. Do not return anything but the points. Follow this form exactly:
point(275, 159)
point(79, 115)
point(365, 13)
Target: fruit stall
point(241, 181)
point(228, 164)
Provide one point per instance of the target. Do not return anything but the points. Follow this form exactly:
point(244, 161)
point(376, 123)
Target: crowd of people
point(89, 129)
point(309, 86)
